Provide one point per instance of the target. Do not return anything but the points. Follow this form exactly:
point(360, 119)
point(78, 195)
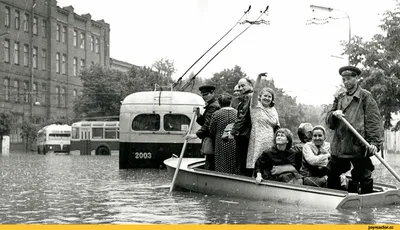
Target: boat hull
point(192, 177)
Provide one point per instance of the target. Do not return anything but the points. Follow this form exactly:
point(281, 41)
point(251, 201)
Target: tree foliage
point(164, 67)
point(379, 60)
point(105, 88)
point(227, 79)
point(5, 123)
point(28, 133)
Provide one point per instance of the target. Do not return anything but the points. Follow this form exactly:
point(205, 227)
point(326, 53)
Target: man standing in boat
point(212, 105)
point(360, 109)
point(242, 127)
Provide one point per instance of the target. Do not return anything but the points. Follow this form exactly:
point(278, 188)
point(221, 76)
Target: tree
point(28, 133)
point(379, 60)
point(226, 80)
point(5, 125)
point(164, 67)
point(101, 94)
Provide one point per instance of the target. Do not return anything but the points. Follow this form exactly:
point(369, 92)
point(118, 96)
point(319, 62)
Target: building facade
point(44, 49)
point(121, 65)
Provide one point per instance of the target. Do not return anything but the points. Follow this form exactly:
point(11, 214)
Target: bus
point(153, 125)
point(95, 138)
point(54, 138)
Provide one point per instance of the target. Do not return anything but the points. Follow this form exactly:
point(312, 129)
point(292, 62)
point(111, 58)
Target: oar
point(181, 156)
point(367, 144)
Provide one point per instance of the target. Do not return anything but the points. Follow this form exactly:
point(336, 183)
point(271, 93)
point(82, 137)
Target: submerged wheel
point(102, 150)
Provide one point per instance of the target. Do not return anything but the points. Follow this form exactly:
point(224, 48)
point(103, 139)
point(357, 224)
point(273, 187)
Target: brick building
point(44, 49)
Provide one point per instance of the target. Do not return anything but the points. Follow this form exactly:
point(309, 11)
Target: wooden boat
point(193, 177)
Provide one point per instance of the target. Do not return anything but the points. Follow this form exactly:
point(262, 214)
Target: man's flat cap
point(349, 71)
point(206, 89)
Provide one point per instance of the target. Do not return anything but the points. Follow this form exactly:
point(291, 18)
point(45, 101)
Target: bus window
point(97, 133)
point(59, 136)
point(110, 133)
point(75, 133)
point(176, 122)
point(146, 122)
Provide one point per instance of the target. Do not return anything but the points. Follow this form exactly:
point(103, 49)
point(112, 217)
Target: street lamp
point(329, 9)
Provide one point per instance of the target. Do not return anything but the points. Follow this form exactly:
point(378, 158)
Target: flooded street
point(91, 189)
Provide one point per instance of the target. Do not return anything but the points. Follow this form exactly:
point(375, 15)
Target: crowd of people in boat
point(241, 134)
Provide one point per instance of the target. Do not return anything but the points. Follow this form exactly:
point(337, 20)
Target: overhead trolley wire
point(253, 22)
point(180, 78)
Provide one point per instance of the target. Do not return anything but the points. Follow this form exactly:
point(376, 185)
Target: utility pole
point(31, 27)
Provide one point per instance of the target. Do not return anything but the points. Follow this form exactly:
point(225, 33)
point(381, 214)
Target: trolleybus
point(95, 138)
point(153, 125)
point(54, 138)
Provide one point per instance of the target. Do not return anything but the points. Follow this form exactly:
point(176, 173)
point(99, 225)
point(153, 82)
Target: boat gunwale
point(303, 188)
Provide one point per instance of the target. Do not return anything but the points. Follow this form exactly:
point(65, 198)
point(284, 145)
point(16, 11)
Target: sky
point(302, 59)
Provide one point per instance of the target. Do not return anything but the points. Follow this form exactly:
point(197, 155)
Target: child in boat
point(316, 155)
point(278, 163)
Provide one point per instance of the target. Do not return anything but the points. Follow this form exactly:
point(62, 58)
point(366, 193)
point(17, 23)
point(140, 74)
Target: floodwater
point(51, 189)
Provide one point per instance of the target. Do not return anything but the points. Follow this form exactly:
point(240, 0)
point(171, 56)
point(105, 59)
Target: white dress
point(263, 121)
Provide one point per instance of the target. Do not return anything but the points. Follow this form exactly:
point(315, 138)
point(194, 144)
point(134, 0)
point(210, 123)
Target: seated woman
point(316, 155)
point(278, 163)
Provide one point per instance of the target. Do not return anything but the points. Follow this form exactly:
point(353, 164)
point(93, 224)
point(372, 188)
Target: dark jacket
point(204, 120)
point(362, 112)
point(242, 126)
point(272, 157)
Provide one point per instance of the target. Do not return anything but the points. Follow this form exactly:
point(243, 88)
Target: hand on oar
point(371, 150)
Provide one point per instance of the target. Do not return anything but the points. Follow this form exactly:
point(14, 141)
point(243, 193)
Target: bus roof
point(164, 97)
point(96, 124)
point(55, 127)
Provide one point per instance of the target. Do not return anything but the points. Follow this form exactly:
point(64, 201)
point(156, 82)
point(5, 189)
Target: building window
point(7, 88)
point(57, 62)
point(91, 43)
point(26, 94)
point(35, 92)
point(35, 57)
point(17, 20)
point(44, 25)
point(58, 33)
point(35, 26)
point(75, 42)
point(97, 46)
point(16, 53)
point(82, 64)
point(63, 64)
point(44, 59)
point(26, 22)
point(44, 92)
point(82, 41)
point(64, 34)
point(16, 90)
point(7, 50)
point(63, 96)
point(7, 16)
point(26, 54)
point(58, 95)
point(75, 64)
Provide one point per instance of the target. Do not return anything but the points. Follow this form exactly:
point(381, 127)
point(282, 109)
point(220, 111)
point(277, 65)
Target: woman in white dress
point(264, 119)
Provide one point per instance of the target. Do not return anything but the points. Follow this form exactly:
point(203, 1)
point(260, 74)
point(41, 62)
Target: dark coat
point(204, 120)
point(361, 111)
point(272, 157)
point(242, 126)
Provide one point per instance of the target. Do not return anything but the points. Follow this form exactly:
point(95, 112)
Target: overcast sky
point(297, 56)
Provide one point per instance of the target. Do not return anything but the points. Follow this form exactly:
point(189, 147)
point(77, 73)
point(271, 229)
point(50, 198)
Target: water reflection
point(91, 189)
